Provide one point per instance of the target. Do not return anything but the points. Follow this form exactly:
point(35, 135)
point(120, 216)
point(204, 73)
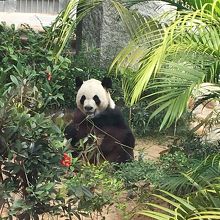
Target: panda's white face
point(92, 98)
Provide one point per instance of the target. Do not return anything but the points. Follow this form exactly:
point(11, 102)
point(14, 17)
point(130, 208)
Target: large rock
point(103, 32)
point(161, 11)
point(205, 117)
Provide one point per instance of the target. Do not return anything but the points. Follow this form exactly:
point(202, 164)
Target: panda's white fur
point(89, 89)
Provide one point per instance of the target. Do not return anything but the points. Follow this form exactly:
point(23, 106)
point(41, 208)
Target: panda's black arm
point(77, 129)
point(111, 118)
point(70, 132)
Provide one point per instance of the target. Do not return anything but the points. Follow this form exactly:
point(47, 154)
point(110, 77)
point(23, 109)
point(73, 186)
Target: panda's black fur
point(117, 141)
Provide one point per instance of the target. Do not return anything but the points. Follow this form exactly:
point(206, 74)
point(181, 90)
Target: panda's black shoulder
point(110, 117)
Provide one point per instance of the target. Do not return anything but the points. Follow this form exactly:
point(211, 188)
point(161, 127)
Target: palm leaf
point(66, 22)
point(178, 208)
point(202, 183)
point(195, 32)
point(208, 169)
point(173, 90)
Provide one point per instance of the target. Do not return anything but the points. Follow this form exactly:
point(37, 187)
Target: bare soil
point(152, 147)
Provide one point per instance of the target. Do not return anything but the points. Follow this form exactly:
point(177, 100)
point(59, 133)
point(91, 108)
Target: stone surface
point(91, 33)
point(206, 116)
point(113, 34)
point(103, 34)
point(161, 11)
point(103, 30)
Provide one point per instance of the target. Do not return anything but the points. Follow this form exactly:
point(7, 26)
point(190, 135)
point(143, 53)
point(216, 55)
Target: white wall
point(32, 6)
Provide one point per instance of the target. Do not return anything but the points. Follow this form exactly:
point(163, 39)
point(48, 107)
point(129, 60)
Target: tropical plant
point(200, 189)
point(194, 147)
point(171, 60)
point(148, 172)
point(68, 20)
point(178, 58)
point(182, 209)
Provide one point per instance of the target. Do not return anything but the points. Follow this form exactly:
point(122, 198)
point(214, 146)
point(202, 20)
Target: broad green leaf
point(14, 80)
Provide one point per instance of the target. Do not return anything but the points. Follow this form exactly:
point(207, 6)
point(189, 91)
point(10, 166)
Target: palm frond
point(173, 207)
point(66, 22)
point(208, 169)
point(173, 89)
point(201, 183)
point(195, 32)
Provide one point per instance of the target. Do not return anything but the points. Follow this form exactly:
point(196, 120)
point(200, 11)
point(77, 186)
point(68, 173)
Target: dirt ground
point(152, 147)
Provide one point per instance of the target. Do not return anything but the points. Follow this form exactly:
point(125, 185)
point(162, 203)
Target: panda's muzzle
point(89, 110)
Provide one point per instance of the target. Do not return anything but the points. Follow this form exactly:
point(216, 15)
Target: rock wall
point(91, 29)
point(206, 116)
point(104, 32)
point(113, 34)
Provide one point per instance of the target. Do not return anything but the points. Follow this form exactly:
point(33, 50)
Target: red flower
point(66, 160)
point(49, 76)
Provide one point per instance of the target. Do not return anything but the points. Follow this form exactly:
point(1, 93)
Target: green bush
point(33, 180)
point(194, 147)
point(175, 162)
point(101, 181)
point(140, 170)
point(25, 58)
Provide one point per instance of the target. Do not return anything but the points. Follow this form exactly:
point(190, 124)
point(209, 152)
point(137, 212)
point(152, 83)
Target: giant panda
point(97, 114)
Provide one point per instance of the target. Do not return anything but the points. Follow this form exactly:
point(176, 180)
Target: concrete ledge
point(34, 20)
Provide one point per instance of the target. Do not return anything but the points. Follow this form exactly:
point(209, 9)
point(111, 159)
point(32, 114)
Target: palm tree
point(199, 187)
point(163, 63)
point(171, 61)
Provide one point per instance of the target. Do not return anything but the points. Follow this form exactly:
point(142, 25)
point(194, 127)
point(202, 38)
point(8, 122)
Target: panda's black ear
point(107, 83)
point(78, 82)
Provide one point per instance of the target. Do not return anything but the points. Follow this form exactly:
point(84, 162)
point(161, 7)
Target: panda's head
point(93, 96)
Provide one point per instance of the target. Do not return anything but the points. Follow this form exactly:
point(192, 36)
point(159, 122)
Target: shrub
point(140, 170)
point(104, 187)
point(175, 162)
point(33, 179)
point(194, 147)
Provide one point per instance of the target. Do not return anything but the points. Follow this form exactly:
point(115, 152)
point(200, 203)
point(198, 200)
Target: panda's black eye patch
point(97, 100)
point(83, 98)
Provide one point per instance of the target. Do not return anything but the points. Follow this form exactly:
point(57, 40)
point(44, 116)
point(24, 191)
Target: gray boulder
point(102, 32)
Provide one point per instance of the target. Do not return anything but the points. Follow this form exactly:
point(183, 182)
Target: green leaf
point(14, 80)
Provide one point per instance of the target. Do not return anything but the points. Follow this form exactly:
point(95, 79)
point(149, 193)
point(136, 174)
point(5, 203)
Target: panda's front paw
point(70, 131)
